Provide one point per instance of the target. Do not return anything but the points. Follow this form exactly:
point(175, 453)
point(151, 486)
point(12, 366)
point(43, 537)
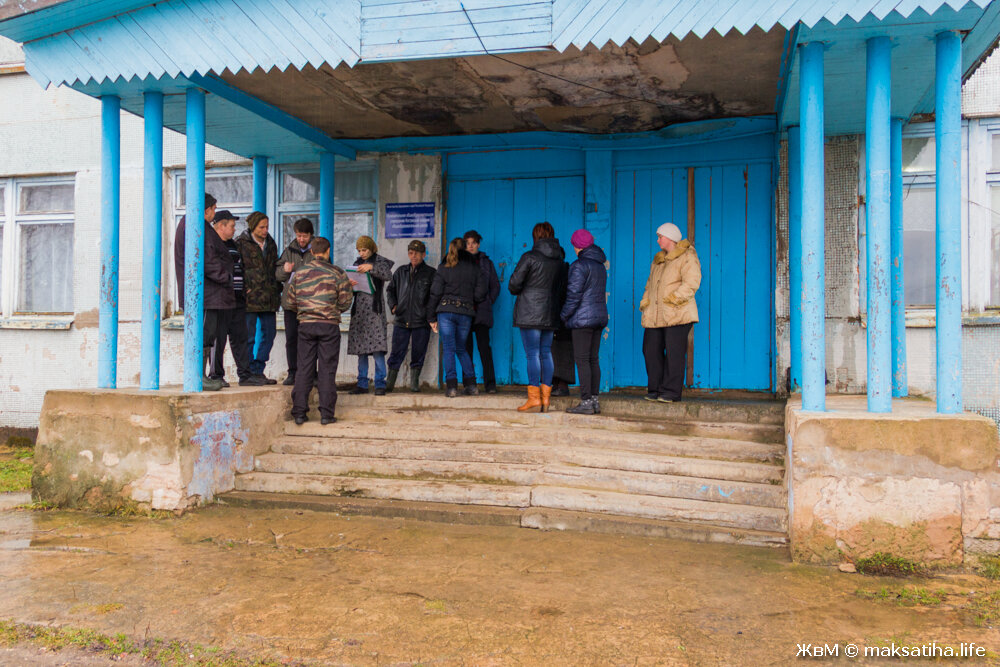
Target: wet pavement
point(350, 590)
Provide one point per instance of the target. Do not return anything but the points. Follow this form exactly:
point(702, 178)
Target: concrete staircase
point(706, 470)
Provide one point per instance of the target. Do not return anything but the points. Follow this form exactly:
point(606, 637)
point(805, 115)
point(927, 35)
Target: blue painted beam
point(899, 380)
point(795, 254)
point(260, 183)
point(194, 243)
point(948, 237)
point(327, 182)
point(813, 245)
point(269, 112)
point(877, 148)
point(152, 236)
point(107, 332)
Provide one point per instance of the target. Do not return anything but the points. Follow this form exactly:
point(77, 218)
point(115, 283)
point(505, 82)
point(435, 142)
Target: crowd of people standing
point(560, 309)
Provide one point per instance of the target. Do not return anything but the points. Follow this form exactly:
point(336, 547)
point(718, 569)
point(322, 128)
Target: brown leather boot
point(534, 399)
point(546, 393)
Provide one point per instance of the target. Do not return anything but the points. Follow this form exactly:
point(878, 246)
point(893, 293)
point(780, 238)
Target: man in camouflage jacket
point(319, 292)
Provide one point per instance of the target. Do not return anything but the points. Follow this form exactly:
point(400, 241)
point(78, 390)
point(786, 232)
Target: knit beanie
point(582, 239)
point(670, 230)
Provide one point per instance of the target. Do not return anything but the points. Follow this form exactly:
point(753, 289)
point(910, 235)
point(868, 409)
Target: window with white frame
point(993, 182)
point(36, 245)
point(355, 187)
point(232, 188)
point(919, 217)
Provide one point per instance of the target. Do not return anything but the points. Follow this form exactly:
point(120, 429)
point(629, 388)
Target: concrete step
point(544, 433)
point(478, 418)
point(554, 474)
point(589, 457)
point(742, 517)
point(621, 405)
point(540, 518)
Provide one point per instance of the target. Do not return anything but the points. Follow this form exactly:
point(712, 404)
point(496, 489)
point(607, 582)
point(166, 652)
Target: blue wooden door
point(732, 233)
point(504, 211)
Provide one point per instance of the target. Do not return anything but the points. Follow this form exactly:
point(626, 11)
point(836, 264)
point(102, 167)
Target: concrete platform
point(913, 483)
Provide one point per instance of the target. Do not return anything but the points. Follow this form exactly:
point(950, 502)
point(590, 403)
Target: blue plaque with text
point(409, 220)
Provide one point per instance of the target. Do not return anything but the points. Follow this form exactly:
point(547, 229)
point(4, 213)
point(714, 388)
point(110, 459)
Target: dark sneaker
point(299, 421)
point(491, 389)
point(290, 380)
point(560, 391)
point(222, 382)
point(358, 390)
point(252, 381)
point(451, 392)
point(266, 379)
point(328, 420)
point(380, 391)
point(211, 384)
point(471, 390)
point(667, 399)
point(650, 396)
point(585, 407)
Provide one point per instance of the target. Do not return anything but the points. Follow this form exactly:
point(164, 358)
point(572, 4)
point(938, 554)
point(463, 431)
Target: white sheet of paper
point(364, 281)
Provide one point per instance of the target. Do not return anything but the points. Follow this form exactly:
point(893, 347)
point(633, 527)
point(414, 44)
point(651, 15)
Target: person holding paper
point(366, 335)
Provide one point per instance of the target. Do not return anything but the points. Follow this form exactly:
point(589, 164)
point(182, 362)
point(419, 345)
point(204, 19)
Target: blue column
point(948, 238)
point(899, 381)
point(795, 253)
point(260, 183)
point(326, 196)
point(877, 145)
point(194, 241)
point(107, 332)
point(152, 239)
point(813, 205)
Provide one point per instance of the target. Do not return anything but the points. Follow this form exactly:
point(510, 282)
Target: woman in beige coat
point(668, 311)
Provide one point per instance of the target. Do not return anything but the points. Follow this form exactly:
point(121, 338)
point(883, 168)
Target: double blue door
point(726, 210)
point(504, 211)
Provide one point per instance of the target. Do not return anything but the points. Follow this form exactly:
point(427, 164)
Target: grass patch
point(36, 506)
point(904, 597)
point(983, 609)
point(886, 565)
point(16, 463)
point(989, 567)
point(159, 651)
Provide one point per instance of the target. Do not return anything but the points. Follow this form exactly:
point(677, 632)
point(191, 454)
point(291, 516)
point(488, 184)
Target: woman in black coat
point(536, 284)
point(586, 314)
point(458, 286)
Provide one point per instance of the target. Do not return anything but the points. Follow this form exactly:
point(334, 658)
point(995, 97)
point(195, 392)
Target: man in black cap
point(233, 321)
point(408, 293)
point(484, 311)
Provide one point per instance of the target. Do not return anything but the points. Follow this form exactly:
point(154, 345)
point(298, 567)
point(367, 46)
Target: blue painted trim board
point(877, 148)
point(327, 183)
point(948, 237)
point(194, 243)
point(813, 242)
point(152, 236)
point(107, 355)
point(260, 183)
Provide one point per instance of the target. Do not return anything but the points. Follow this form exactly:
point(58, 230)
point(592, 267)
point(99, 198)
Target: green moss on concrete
point(886, 565)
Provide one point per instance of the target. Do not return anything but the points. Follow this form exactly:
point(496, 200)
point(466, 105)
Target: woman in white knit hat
point(668, 312)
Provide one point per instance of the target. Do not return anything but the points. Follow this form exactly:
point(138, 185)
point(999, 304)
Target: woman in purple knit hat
point(586, 314)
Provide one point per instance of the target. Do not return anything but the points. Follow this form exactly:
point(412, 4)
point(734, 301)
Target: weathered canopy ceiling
point(615, 89)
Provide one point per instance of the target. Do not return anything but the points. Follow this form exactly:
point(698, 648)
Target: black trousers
point(665, 351)
point(318, 345)
point(586, 345)
point(291, 340)
point(401, 337)
point(482, 334)
point(232, 325)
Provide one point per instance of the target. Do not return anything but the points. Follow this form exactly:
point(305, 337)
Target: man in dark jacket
point(484, 311)
point(408, 294)
point(259, 253)
point(233, 321)
point(295, 255)
point(318, 293)
point(218, 287)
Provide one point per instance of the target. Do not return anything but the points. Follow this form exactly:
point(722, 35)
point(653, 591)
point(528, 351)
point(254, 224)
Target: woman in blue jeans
point(538, 282)
point(458, 286)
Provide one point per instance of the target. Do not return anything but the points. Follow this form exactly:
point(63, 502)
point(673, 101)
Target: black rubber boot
point(415, 379)
point(470, 387)
point(390, 379)
point(451, 388)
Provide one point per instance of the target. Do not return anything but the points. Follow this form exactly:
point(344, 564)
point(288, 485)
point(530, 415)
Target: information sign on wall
point(409, 220)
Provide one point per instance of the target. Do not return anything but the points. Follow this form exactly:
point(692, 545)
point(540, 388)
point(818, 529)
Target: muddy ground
point(338, 590)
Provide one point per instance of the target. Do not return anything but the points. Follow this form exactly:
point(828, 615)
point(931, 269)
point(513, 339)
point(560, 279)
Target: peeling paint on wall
point(221, 442)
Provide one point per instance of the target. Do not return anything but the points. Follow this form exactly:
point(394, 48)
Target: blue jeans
point(261, 340)
point(454, 330)
point(379, 370)
point(538, 348)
